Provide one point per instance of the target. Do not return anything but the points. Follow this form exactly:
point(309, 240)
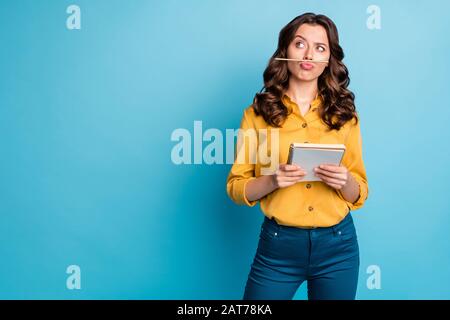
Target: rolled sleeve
point(242, 171)
point(353, 161)
point(363, 194)
point(236, 191)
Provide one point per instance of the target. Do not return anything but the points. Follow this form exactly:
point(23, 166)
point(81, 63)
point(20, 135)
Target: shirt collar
point(313, 112)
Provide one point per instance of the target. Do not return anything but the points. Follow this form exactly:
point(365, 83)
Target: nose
point(308, 54)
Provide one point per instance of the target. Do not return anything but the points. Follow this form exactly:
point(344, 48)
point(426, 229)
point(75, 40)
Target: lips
point(306, 66)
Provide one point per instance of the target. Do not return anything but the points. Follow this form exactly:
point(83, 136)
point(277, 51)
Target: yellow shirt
point(304, 204)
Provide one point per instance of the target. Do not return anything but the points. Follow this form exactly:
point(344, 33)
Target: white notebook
point(311, 155)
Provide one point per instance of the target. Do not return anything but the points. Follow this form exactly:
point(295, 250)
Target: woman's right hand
point(287, 175)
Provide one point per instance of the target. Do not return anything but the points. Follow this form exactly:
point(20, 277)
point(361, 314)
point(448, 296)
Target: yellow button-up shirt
point(304, 204)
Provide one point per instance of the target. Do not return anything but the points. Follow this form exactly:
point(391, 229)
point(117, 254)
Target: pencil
point(301, 60)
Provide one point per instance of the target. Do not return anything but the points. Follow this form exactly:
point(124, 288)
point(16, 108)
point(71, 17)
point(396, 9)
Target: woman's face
point(310, 43)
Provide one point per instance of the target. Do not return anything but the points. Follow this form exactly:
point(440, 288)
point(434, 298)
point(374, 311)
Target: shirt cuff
point(238, 192)
point(362, 196)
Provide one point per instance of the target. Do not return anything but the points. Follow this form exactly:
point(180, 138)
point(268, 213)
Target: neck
point(302, 92)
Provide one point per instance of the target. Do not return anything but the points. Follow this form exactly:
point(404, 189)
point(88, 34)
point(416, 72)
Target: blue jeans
point(328, 258)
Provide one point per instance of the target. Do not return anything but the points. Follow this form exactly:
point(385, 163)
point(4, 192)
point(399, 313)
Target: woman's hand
point(334, 176)
point(287, 175)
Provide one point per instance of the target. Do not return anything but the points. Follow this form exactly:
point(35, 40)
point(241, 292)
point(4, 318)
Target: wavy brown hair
point(337, 101)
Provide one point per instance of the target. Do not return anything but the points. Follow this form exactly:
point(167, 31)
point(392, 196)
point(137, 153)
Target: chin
point(306, 77)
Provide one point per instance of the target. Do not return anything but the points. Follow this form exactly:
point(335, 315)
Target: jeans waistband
point(347, 220)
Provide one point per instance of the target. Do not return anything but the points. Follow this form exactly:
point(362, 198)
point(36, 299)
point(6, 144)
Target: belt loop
point(335, 228)
point(277, 225)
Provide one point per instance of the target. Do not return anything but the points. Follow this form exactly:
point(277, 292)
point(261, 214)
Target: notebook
point(311, 155)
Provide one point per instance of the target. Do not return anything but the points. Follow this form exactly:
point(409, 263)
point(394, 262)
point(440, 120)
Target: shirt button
point(304, 124)
point(310, 208)
point(308, 185)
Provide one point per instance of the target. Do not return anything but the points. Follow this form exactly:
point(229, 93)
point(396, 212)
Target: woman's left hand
point(334, 176)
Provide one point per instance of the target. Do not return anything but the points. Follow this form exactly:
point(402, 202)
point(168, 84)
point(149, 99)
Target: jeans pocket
point(269, 232)
point(348, 236)
point(270, 247)
point(346, 233)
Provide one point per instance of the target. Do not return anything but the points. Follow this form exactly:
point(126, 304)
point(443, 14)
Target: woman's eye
point(321, 49)
point(300, 45)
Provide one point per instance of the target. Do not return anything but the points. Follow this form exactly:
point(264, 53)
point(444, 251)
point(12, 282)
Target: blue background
point(86, 116)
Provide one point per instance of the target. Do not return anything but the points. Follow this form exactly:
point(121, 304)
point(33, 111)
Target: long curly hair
point(337, 101)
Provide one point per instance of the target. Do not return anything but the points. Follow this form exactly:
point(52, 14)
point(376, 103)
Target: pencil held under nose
point(302, 60)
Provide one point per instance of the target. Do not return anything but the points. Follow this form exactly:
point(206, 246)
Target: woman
point(308, 231)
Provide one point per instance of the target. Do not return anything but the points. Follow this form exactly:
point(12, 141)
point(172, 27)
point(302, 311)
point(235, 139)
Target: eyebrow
point(307, 40)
